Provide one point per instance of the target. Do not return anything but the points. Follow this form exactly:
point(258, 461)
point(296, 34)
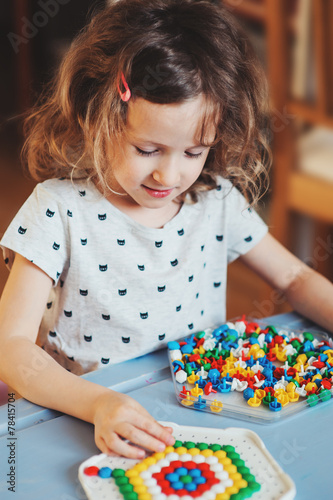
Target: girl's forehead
point(159, 123)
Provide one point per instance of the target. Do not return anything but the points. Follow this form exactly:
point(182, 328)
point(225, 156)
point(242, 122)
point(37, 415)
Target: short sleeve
point(245, 227)
point(38, 232)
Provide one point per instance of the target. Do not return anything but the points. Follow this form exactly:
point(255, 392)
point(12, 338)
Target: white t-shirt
point(121, 289)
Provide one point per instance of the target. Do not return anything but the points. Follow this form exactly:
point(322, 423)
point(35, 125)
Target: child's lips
point(158, 193)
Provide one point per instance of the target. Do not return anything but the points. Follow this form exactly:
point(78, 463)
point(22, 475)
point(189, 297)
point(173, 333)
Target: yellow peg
point(196, 391)
point(216, 406)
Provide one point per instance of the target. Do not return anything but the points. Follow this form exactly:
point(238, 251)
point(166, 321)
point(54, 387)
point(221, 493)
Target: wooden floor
point(246, 293)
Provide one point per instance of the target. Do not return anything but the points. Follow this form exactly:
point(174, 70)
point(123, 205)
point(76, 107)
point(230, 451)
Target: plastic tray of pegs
point(204, 463)
point(250, 370)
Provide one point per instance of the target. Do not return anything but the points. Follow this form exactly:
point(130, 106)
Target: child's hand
point(118, 416)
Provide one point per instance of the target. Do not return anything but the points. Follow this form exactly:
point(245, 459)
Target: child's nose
point(167, 173)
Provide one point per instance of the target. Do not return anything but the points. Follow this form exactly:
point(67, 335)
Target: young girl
point(149, 152)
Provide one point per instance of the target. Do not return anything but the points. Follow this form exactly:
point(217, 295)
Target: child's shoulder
point(225, 193)
point(64, 189)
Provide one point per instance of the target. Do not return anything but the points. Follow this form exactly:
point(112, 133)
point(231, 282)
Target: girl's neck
point(149, 217)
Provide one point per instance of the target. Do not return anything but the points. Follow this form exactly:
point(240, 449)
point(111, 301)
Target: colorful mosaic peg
point(268, 366)
point(185, 471)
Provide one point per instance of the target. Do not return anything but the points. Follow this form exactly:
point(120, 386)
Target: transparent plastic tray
point(233, 403)
point(275, 483)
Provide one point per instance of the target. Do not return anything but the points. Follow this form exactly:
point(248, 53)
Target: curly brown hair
point(168, 51)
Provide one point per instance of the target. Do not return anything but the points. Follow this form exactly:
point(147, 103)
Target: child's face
point(161, 156)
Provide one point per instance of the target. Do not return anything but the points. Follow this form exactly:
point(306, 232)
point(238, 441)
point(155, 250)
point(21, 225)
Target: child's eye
point(193, 155)
point(144, 153)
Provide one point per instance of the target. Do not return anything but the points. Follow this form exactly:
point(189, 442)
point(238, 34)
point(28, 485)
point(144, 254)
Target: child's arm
point(39, 378)
point(307, 291)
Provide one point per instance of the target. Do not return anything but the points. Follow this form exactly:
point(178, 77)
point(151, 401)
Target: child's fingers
point(116, 446)
point(148, 434)
point(142, 419)
point(153, 428)
point(153, 424)
point(127, 419)
point(113, 443)
point(169, 429)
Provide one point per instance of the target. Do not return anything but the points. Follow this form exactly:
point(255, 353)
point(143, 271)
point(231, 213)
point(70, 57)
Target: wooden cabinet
point(294, 192)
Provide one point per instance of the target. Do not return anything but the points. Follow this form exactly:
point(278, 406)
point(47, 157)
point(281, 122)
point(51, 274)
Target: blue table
point(50, 446)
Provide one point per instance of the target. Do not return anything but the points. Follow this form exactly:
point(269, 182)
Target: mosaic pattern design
point(185, 471)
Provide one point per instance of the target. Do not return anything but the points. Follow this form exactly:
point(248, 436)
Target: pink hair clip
point(125, 96)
